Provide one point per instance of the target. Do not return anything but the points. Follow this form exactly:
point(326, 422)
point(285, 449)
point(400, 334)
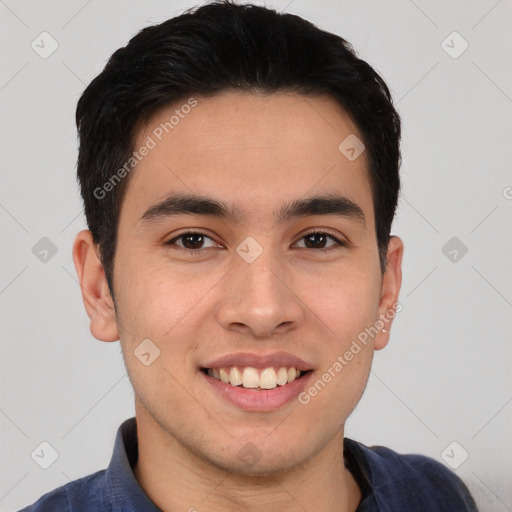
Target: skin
point(256, 152)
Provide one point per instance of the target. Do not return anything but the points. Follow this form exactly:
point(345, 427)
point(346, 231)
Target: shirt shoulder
point(452, 493)
point(86, 493)
point(398, 483)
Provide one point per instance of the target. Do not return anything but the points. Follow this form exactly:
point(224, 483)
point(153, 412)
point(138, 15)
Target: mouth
point(256, 382)
point(256, 379)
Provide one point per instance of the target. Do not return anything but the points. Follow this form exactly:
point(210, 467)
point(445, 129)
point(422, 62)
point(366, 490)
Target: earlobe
point(95, 292)
point(391, 284)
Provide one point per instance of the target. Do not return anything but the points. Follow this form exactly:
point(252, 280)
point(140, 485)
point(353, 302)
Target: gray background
point(444, 377)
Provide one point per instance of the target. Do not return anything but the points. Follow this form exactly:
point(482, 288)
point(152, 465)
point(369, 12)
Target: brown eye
point(318, 239)
point(190, 241)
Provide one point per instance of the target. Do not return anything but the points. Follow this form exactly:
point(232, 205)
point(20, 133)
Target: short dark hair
point(214, 48)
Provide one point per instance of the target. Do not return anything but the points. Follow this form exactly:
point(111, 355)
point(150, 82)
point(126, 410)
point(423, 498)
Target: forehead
point(249, 150)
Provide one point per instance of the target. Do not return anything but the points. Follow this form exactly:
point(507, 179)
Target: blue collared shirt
point(389, 482)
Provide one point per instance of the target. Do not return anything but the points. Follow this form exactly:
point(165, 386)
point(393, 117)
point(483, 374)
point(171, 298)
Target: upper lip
point(261, 361)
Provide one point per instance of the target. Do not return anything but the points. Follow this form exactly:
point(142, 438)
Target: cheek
point(345, 308)
point(151, 301)
point(153, 316)
point(344, 305)
point(333, 393)
point(162, 305)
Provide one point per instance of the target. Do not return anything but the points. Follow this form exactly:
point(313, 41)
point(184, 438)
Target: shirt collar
point(123, 488)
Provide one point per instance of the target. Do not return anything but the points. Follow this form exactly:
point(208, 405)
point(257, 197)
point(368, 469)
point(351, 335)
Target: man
point(239, 170)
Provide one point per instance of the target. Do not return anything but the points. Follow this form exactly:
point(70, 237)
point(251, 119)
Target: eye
point(317, 239)
point(191, 241)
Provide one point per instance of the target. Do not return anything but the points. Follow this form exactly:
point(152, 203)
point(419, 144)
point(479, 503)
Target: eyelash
point(196, 251)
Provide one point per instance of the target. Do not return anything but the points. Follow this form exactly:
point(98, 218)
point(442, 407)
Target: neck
point(175, 478)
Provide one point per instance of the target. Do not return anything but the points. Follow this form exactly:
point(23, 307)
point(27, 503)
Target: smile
point(256, 382)
point(254, 378)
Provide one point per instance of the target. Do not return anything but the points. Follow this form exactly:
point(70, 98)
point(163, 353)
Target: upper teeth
point(250, 377)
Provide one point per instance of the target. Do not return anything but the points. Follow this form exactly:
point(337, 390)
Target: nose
point(260, 299)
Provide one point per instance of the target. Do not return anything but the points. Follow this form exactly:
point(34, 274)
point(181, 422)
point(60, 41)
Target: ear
point(95, 293)
point(391, 283)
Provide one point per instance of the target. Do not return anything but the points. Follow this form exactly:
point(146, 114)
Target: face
point(261, 288)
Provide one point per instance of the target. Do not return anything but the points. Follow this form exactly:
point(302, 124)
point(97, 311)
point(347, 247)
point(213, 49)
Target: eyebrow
point(191, 204)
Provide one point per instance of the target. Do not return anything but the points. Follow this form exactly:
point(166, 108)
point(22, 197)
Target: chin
point(253, 459)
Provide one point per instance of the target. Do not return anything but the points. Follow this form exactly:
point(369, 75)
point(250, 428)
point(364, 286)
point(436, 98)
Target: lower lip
point(258, 401)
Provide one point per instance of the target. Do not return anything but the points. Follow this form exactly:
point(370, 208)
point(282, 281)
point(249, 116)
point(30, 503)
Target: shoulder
point(409, 482)
point(86, 493)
